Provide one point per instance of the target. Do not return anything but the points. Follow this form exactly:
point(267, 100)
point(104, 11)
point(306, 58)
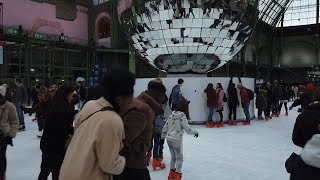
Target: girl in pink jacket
point(220, 104)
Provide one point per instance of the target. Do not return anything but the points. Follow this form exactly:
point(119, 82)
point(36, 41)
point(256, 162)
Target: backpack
point(225, 99)
point(250, 94)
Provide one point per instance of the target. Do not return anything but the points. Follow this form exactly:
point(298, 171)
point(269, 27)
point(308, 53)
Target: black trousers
point(132, 174)
point(41, 122)
point(232, 110)
point(269, 105)
point(3, 159)
point(262, 110)
point(285, 106)
point(51, 163)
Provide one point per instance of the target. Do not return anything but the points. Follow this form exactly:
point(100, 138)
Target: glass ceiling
point(271, 10)
point(300, 12)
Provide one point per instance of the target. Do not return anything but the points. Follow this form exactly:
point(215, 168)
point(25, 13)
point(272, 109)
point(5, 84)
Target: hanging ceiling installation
point(181, 36)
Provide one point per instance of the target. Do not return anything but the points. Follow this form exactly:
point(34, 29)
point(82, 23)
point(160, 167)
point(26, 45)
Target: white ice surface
point(256, 152)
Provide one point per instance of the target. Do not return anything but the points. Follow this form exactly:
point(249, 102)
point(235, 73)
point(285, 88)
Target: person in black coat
point(284, 98)
point(304, 98)
point(306, 134)
point(57, 131)
point(261, 103)
point(269, 98)
point(233, 102)
point(275, 98)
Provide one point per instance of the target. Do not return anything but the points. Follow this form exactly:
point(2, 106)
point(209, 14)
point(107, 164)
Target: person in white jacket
point(173, 131)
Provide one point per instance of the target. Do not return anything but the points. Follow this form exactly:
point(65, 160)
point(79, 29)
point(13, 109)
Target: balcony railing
point(16, 31)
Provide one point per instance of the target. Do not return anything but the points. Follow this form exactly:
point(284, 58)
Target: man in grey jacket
point(20, 100)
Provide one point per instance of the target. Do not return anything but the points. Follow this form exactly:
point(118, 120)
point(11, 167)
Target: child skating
point(173, 131)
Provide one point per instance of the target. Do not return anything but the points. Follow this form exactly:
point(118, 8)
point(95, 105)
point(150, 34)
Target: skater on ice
point(173, 131)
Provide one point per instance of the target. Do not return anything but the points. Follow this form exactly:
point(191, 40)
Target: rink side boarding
point(193, 90)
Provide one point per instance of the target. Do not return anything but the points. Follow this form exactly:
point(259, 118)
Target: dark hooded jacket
point(138, 125)
point(261, 101)
point(306, 125)
point(233, 99)
point(307, 165)
point(304, 100)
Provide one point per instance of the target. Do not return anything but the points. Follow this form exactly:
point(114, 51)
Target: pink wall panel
point(41, 17)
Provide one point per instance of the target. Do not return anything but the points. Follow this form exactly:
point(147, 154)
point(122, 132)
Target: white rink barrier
point(193, 90)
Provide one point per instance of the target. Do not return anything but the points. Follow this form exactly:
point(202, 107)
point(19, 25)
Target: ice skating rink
point(256, 152)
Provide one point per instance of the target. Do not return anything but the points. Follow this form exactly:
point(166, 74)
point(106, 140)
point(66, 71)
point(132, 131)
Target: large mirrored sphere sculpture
point(188, 35)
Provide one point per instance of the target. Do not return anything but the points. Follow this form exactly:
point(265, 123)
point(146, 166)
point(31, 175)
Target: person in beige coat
point(93, 152)
point(9, 126)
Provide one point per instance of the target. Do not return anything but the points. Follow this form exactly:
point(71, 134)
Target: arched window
point(103, 28)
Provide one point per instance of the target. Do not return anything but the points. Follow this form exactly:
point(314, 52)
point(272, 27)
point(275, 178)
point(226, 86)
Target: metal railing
point(16, 31)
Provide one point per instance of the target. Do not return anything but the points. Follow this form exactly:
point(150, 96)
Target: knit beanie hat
point(3, 90)
point(310, 87)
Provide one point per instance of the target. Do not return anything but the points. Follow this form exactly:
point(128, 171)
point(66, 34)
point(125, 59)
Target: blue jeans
point(211, 112)
point(156, 146)
point(246, 111)
point(20, 114)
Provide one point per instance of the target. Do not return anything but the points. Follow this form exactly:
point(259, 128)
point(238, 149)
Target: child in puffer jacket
point(173, 131)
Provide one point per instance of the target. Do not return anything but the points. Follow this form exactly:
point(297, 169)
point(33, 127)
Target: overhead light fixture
point(62, 80)
point(32, 70)
point(37, 80)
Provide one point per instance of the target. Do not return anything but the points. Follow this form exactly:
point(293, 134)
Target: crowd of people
point(114, 135)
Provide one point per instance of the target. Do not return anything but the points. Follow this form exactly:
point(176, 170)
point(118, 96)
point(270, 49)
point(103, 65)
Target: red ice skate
point(220, 124)
point(260, 118)
point(178, 176)
point(172, 174)
point(287, 113)
point(230, 122)
point(211, 124)
point(207, 123)
point(267, 118)
point(34, 119)
point(277, 114)
point(157, 163)
point(234, 122)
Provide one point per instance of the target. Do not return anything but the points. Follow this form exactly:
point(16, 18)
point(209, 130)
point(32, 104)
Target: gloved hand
point(290, 108)
point(196, 135)
point(9, 140)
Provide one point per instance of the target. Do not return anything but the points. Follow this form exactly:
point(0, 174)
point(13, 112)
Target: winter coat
point(93, 152)
point(9, 122)
point(220, 98)
point(158, 124)
point(212, 98)
point(175, 126)
point(83, 93)
point(269, 94)
point(275, 93)
point(233, 99)
point(304, 100)
point(138, 124)
point(21, 95)
point(307, 165)
point(261, 101)
point(244, 96)
point(58, 128)
point(306, 125)
point(175, 95)
point(284, 93)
